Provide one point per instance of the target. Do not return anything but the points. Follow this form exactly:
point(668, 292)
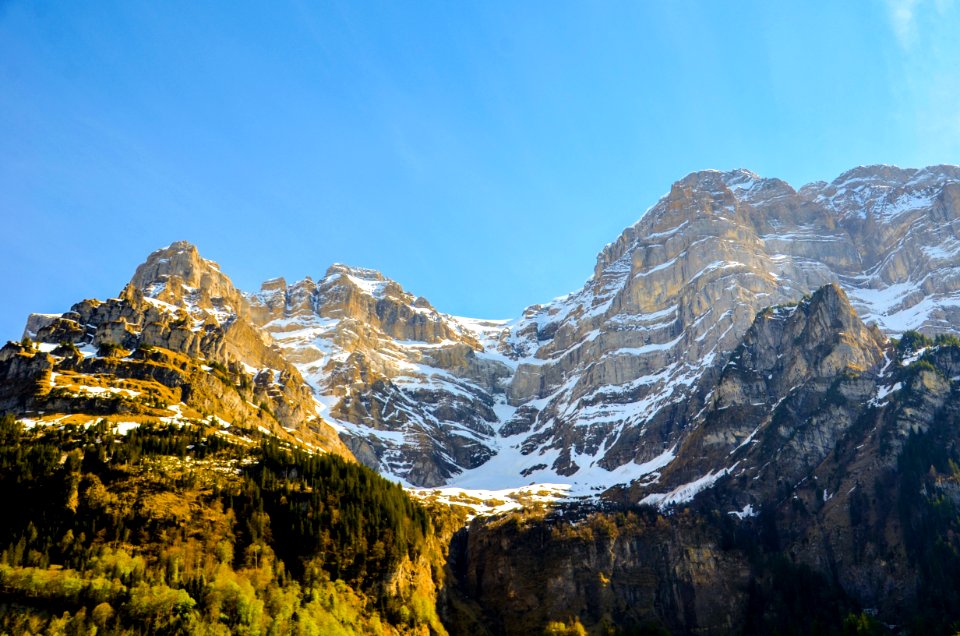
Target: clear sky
point(480, 153)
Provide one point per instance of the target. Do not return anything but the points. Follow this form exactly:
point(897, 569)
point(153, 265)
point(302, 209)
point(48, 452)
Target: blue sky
point(480, 153)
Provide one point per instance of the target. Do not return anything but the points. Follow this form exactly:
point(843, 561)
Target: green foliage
point(359, 523)
point(912, 341)
point(863, 624)
point(159, 608)
point(109, 349)
point(219, 367)
point(931, 524)
point(174, 530)
point(947, 340)
point(558, 628)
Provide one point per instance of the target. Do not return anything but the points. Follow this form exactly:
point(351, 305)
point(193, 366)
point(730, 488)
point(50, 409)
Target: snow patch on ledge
point(686, 492)
point(744, 513)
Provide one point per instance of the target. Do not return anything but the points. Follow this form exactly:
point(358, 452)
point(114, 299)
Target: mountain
point(614, 374)
point(601, 386)
point(176, 346)
point(795, 385)
point(757, 387)
point(819, 492)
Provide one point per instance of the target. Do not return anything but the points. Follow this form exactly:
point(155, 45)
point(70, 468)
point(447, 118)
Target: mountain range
point(752, 371)
point(596, 388)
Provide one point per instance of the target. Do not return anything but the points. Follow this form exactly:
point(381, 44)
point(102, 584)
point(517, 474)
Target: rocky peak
point(786, 395)
point(820, 337)
point(179, 307)
point(342, 282)
point(179, 276)
point(699, 200)
point(273, 286)
point(874, 175)
point(883, 195)
point(829, 322)
point(367, 296)
point(383, 360)
point(181, 260)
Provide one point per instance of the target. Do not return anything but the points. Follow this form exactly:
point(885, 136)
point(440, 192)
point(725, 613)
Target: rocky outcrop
point(791, 390)
point(181, 324)
point(179, 276)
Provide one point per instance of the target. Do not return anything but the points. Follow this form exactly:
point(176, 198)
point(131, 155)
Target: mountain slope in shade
point(820, 486)
point(797, 382)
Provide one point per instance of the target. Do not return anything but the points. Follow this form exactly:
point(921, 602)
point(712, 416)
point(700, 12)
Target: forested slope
point(173, 529)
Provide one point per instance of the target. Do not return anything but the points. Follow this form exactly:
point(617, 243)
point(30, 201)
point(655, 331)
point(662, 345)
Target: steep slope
point(415, 392)
point(794, 386)
point(175, 530)
point(175, 346)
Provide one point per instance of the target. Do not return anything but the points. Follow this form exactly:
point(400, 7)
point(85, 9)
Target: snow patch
point(686, 492)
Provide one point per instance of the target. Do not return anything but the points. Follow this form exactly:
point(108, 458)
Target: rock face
point(610, 379)
point(794, 386)
point(179, 276)
point(631, 572)
point(615, 373)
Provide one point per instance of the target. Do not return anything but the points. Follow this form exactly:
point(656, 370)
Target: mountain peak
point(357, 272)
point(874, 174)
point(830, 293)
point(825, 329)
point(181, 259)
point(180, 246)
point(178, 275)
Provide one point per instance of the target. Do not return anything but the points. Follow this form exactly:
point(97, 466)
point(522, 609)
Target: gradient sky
point(480, 153)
